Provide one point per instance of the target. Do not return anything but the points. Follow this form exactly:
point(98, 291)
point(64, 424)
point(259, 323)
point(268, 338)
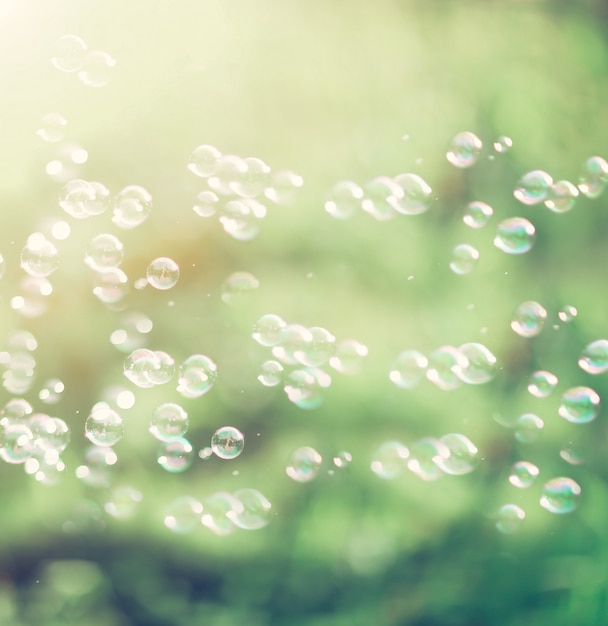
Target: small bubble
point(227, 442)
point(523, 474)
point(572, 455)
point(162, 273)
point(271, 374)
point(304, 464)
point(528, 428)
point(240, 218)
point(533, 187)
point(464, 259)
point(204, 161)
point(104, 252)
point(445, 367)
point(111, 286)
point(132, 206)
point(463, 456)
point(256, 509)
point(97, 69)
point(304, 387)
point(318, 351)
point(39, 257)
point(503, 144)
point(416, 194)
point(477, 214)
point(18, 443)
point(205, 453)
point(206, 204)
point(253, 181)
point(515, 235)
point(183, 515)
point(52, 128)
point(169, 421)
point(560, 495)
point(344, 199)
point(594, 176)
point(567, 314)
point(284, 186)
point(428, 457)
point(561, 197)
point(509, 518)
point(481, 364)
point(237, 287)
point(408, 369)
point(542, 383)
point(268, 330)
point(464, 149)
point(219, 511)
point(348, 356)
point(579, 405)
point(342, 459)
point(529, 319)
point(381, 196)
point(197, 374)
point(175, 455)
point(389, 460)
point(104, 426)
point(69, 53)
point(594, 359)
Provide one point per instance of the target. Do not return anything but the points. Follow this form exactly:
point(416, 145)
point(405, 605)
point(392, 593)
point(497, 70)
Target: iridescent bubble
point(197, 374)
point(97, 69)
point(284, 186)
point(381, 197)
point(533, 187)
point(39, 257)
point(204, 161)
point(572, 455)
point(560, 495)
point(206, 204)
point(175, 455)
point(481, 367)
point(227, 442)
point(50, 433)
point(52, 128)
point(509, 518)
point(254, 180)
point(542, 383)
point(18, 443)
point(15, 411)
point(416, 194)
point(318, 350)
point(111, 285)
point(428, 457)
point(528, 428)
point(237, 287)
point(19, 375)
point(594, 359)
point(304, 387)
point(389, 460)
point(348, 356)
point(76, 196)
point(162, 273)
point(503, 144)
point(139, 365)
point(464, 149)
point(104, 252)
point(295, 339)
point(408, 369)
point(69, 53)
point(593, 177)
point(271, 374)
point(169, 420)
point(445, 367)
point(515, 235)
point(463, 455)
point(256, 511)
point(567, 314)
point(304, 464)
point(579, 405)
point(183, 515)
point(523, 474)
point(132, 206)
point(342, 459)
point(344, 199)
point(561, 197)
point(529, 319)
point(164, 370)
point(219, 511)
point(240, 218)
point(268, 330)
point(51, 391)
point(477, 214)
point(464, 259)
point(123, 502)
point(104, 426)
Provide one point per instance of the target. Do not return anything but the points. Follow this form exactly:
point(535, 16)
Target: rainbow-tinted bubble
point(389, 459)
point(463, 455)
point(523, 474)
point(429, 456)
point(561, 197)
point(560, 495)
point(579, 405)
point(529, 319)
point(594, 176)
point(594, 359)
point(416, 194)
point(533, 187)
point(227, 442)
point(344, 200)
point(515, 235)
point(509, 518)
point(464, 149)
point(175, 455)
point(528, 428)
point(477, 214)
point(304, 464)
point(464, 259)
point(542, 383)
point(408, 369)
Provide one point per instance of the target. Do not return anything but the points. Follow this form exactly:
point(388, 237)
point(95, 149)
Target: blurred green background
point(341, 90)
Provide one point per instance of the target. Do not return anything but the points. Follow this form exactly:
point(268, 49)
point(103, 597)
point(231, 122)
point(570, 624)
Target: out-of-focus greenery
point(328, 90)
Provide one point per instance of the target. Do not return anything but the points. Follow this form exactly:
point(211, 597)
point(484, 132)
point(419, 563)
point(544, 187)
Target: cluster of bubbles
point(237, 189)
point(305, 463)
point(93, 68)
point(300, 354)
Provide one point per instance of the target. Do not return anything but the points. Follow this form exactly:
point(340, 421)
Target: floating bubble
point(162, 273)
point(169, 420)
point(529, 319)
point(132, 206)
point(205, 453)
point(342, 459)
point(227, 442)
point(416, 194)
point(408, 369)
point(503, 144)
point(15, 411)
point(268, 330)
point(50, 433)
point(295, 339)
point(445, 367)
point(318, 350)
point(572, 455)
point(111, 285)
point(75, 198)
point(464, 149)
point(344, 199)
point(528, 428)
point(237, 287)
point(123, 502)
point(523, 474)
point(240, 218)
point(381, 197)
point(164, 370)
point(104, 252)
point(579, 405)
point(429, 455)
point(104, 426)
point(204, 161)
point(542, 383)
point(138, 366)
point(95, 471)
point(254, 180)
point(477, 214)
point(304, 464)
point(219, 511)
point(197, 374)
point(304, 387)
point(256, 509)
point(509, 518)
point(97, 69)
point(464, 259)
point(18, 443)
point(533, 187)
point(389, 460)
point(69, 53)
point(561, 197)
point(560, 495)
point(52, 128)
point(481, 364)
point(51, 391)
point(183, 515)
point(206, 204)
point(515, 235)
point(567, 314)
point(284, 186)
point(594, 359)
point(271, 374)
point(39, 257)
point(462, 455)
point(593, 177)
point(175, 455)
point(348, 356)
point(230, 168)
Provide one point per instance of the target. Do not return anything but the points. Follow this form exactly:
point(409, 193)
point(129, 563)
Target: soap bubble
point(104, 426)
point(542, 383)
point(132, 206)
point(445, 367)
point(122, 502)
point(164, 369)
point(283, 187)
point(15, 411)
point(304, 464)
point(230, 168)
point(523, 474)
point(560, 495)
point(579, 405)
point(464, 259)
point(175, 455)
point(51, 391)
point(515, 235)
point(389, 460)
point(464, 149)
point(240, 218)
point(256, 509)
point(253, 181)
point(169, 420)
point(162, 273)
point(318, 350)
point(572, 455)
point(18, 443)
point(95, 471)
point(304, 387)
point(594, 359)
point(76, 198)
point(227, 442)
point(97, 69)
point(529, 319)
point(509, 518)
point(528, 428)
point(50, 433)
point(481, 364)
point(593, 177)
point(219, 511)
point(533, 187)
point(39, 257)
point(183, 515)
point(104, 252)
point(562, 196)
point(428, 457)
point(206, 203)
point(462, 455)
point(69, 53)
point(204, 161)
point(197, 374)
point(348, 356)
point(503, 144)
point(139, 365)
point(344, 199)
point(408, 369)
point(295, 338)
point(52, 127)
point(268, 330)
point(271, 374)
point(567, 314)
point(477, 214)
point(381, 196)
point(342, 459)
point(416, 194)
point(111, 286)
point(237, 287)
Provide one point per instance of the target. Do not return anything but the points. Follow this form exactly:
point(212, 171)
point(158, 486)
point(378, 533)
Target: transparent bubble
point(533, 187)
point(132, 206)
point(542, 383)
point(97, 69)
point(318, 350)
point(271, 374)
point(348, 356)
point(197, 374)
point(20, 372)
point(304, 387)
point(183, 515)
point(528, 428)
point(464, 259)
point(206, 204)
point(560, 495)
point(477, 214)
point(462, 455)
point(139, 365)
point(529, 319)
point(523, 474)
point(594, 359)
point(445, 367)
point(15, 411)
point(579, 405)
point(295, 339)
point(52, 127)
point(230, 168)
point(389, 460)
point(503, 144)
point(104, 426)
point(429, 455)
point(76, 198)
point(284, 186)
point(100, 200)
point(342, 459)
point(254, 180)
point(416, 194)
point(98, 462)
point(304, 464)
point(572, 455)
point(104, 252)
point(344, 199)
point(164, 370)
point(123, 502)
point(18, 443)
point(567, 314)
point(382, 196)
point(227, 442)
point(162, 273)
point(481, 364)
point(169, 420)
point(515, 235)
point(561, 197)
point(237, 287)
point(51, 391)
point(240, 218)
point(219, 512)
point(594, 176)
point(256, 509)
point(408, 369)
point(39, 257)
point(464, 149)
point(111, 285)
point(268, 330)
point(509, 518)
point(204, 161)
point(69, 53)
point(50, 433)
point(175, 455)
